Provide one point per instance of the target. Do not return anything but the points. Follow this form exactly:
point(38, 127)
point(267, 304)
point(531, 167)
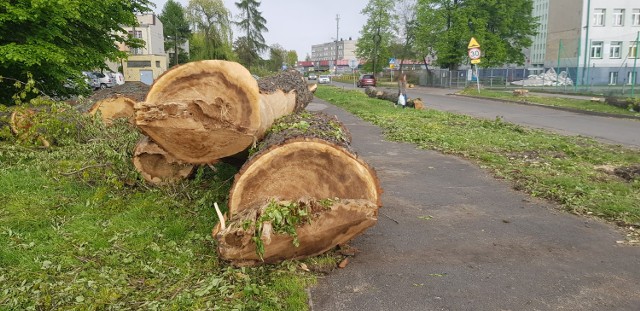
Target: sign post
point(353, 64)
point(474, 54)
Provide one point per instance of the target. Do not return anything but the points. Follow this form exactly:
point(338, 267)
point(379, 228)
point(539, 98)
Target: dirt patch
point(629, 173)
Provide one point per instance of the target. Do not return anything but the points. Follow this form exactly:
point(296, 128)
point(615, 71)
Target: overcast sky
point(299, 24)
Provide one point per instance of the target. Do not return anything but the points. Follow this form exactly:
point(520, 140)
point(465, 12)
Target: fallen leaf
point(425, 217)
point(303, 266)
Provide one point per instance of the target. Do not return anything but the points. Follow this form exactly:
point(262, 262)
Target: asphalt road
point(606, 129)
point(451, 237)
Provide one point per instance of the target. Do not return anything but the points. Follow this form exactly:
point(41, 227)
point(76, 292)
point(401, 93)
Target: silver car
point(105, 80)
point(324, 79)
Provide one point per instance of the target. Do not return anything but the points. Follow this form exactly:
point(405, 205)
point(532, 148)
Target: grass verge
point(577, 172)
point(580, 104)
point(80, 230)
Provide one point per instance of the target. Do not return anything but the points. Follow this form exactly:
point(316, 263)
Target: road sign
point(475, 61)
point(353, 63)
point(392, 60)
point(474, 53)
point(473, 43)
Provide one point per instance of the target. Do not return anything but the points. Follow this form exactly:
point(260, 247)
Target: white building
point(538, 48)
point(595, 39)
point(147, 63)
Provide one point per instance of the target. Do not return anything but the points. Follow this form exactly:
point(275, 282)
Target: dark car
point(366, 80)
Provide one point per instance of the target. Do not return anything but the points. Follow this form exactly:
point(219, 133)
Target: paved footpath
point(451, 237)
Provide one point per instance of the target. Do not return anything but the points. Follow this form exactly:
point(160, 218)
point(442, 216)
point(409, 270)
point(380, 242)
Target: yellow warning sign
point(473, 43)
point(475, 61)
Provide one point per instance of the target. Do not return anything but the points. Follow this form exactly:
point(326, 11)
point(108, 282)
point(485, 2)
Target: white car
point(324, 79)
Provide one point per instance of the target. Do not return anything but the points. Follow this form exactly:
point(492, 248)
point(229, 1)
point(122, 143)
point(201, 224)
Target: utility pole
point(337, 42)
point(586, 40)
point(634, 75)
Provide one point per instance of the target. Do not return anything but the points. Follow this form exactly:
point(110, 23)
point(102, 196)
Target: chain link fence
point(604, 81)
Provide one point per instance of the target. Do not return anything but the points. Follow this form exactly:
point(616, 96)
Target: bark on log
point(327, 228)
point(304, 155)
point(203, 111)
point(157, 166)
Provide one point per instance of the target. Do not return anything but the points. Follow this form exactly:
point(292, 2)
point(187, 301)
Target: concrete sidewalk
point(451, 237)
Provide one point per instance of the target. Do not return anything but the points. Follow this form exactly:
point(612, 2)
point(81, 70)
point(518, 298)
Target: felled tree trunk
point(304, 155)
point(157, 166)
point(331, 223)
point(203, 111)
point(392, 96)
point(115, 102)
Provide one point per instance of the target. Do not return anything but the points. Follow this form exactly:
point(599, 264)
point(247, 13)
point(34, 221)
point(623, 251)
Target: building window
point(139, 63)
point(635, 17)
point(632, 49)
point(598, 17)
point(158, 64)
point(596, 49)
point(618, 17)
point(613, 78)
point(631, 78)
point(614, 51)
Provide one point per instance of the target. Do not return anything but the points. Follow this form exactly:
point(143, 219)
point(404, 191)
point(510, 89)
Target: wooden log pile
point(302, 191)
point(204, 112)
point(392, 96)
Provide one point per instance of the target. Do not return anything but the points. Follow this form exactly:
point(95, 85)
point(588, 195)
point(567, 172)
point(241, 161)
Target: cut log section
point(157, 166)
point(327, 227)
point(203, 111)
point(21, 123)
point(310, 158)
point(118, 106)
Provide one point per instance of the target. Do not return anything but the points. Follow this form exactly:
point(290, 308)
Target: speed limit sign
point(474, 53)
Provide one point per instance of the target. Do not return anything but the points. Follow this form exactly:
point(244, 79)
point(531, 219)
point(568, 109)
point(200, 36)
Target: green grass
point(580, 104)
point(546, 165)
point(99, 238)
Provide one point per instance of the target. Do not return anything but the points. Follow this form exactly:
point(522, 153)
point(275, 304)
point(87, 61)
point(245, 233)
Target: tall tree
point(56, 40)
point(277, 57)
point(407, 31)
point(292, 58)
point(176, 31)
point(376, 34)
point(212, 38)
point(253, 25)
point(503, 27)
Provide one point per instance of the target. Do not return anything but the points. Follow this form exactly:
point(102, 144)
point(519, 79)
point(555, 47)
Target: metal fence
point(608, 81)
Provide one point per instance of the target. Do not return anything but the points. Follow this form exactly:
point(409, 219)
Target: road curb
point(593, 113)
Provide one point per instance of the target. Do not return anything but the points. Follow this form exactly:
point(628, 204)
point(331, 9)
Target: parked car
point(366, 80)
point(105, 80)
point(312, 76)
point(91, 80)
point(324, 79)
point(118, 77)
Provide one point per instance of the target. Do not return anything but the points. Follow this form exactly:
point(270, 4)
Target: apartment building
point(147, 63)
point(538, 48)
point(324, 54)
point(595, 40)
